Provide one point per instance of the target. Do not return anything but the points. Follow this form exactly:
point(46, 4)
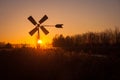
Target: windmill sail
point(33, 31)
point(44, 30)
point(43, 19)
point(31, 19)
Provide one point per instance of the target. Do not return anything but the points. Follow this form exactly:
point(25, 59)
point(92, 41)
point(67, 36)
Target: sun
point(39, 41)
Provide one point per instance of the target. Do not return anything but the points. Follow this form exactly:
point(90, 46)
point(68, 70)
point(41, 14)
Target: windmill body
point(38, 26)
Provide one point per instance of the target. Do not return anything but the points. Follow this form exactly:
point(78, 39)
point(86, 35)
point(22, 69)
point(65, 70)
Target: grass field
point(56, 64)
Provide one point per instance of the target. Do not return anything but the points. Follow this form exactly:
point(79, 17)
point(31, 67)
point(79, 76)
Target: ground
point(38, 64)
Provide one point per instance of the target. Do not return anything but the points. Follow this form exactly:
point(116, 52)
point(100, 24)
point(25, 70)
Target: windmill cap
point(59, 25)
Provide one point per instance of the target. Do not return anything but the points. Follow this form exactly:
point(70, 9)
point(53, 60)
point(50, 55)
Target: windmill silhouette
point(38, 26)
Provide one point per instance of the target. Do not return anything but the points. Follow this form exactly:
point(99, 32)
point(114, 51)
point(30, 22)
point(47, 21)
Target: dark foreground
point(35, 64)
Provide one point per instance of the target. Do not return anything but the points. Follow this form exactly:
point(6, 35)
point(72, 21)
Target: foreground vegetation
point(56, 64)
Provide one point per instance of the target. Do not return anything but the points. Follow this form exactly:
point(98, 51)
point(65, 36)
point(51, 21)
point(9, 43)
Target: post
point(38, 38)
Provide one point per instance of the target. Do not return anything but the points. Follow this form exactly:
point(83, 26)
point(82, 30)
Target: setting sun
point(39, 41)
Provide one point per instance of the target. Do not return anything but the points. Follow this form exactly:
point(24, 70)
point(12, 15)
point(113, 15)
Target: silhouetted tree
point(90, 41)
point(8, 45)
point(59, 41)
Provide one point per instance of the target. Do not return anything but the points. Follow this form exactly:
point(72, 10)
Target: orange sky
point(78, 16)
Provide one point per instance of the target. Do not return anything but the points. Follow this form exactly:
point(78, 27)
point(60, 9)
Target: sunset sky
point(78, 16)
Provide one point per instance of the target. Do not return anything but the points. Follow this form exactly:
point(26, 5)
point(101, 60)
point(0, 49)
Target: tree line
point(107, 40)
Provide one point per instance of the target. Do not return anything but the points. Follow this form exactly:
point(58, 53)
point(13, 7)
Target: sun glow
point(39, 41)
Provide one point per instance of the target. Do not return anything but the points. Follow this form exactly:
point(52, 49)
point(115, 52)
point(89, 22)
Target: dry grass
point(29, 63)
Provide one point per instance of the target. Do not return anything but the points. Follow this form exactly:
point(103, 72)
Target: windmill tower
point(39, 26)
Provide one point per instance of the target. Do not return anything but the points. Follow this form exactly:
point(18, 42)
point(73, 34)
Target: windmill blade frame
point(44, 18)
point(44, 30)
point(32, 20)
point(33, 31)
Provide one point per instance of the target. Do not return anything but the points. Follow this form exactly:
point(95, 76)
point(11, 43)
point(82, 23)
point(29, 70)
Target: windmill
point(38, 26)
